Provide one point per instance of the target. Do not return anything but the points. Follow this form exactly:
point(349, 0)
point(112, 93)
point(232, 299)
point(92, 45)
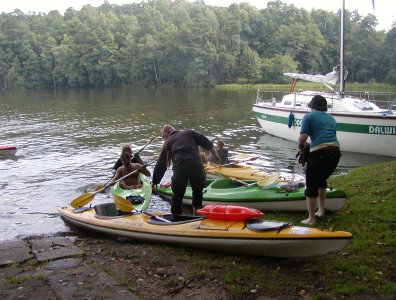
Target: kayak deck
point(140, 198)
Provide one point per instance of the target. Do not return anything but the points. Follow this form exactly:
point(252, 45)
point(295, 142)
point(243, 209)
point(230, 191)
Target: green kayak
point(277, 196)
point(140, 198)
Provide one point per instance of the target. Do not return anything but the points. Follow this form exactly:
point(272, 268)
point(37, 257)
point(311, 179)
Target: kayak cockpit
point(110, 211)
point(266, 225)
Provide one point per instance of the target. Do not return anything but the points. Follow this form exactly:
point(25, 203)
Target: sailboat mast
point(342, 27)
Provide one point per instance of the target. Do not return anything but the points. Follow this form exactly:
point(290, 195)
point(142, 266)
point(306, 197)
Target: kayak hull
point(270, 198)
point(144, 193)
point(217, 235)
point(7, 150)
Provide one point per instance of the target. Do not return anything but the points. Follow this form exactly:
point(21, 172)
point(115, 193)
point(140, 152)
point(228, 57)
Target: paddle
point(232, 179)
point(126, 206)
point(261, 183)
point(88, 197)
point(268, 180)
point(148, 143)
point(241, 161)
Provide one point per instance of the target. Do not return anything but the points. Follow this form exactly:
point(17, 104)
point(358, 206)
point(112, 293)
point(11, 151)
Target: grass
point(364, 269)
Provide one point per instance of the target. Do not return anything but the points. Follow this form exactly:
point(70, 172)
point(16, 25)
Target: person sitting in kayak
point(135, 158)
point(130, 182)
point(222, 152)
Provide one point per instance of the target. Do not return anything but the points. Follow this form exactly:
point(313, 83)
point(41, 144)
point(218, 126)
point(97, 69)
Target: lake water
point(68, 141)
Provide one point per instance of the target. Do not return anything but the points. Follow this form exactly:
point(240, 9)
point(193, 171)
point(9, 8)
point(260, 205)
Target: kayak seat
point(174, 219)
point(264, 225)
point(108, 210)
point(135, 199)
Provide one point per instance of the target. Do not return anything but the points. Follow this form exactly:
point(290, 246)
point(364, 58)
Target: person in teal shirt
point(324, 155)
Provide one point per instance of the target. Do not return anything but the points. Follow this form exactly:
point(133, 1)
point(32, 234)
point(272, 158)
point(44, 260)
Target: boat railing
point(384, 100)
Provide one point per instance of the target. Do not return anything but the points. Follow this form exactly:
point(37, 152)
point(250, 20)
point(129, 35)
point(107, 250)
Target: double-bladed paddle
point(88, 197)
point(126, 206)
point(241, 161)
point(261, 183)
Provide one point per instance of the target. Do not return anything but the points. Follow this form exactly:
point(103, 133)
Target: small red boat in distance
point(229, 212)
point(7, 150)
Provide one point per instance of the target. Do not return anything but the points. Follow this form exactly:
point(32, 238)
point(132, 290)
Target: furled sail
point(329, 78)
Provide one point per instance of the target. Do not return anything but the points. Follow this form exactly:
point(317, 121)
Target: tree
point(272, 69)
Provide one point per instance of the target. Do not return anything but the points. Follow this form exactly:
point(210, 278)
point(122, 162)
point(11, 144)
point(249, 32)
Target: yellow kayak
point(238, 171)
point(252, 237)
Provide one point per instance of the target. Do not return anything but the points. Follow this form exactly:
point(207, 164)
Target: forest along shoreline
point(126, 268)
point(183, 43)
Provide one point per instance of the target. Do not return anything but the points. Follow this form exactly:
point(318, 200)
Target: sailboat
point(363, 126)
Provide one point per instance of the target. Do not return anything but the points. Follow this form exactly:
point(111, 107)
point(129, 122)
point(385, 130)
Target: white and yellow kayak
point(238, 171)
point(252, 237)
point(140, 198)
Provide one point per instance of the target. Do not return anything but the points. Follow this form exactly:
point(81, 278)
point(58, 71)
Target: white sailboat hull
point(370, 133)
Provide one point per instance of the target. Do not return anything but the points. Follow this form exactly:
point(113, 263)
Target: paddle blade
point(82, 200)
point(268, 180)
point(122, 203)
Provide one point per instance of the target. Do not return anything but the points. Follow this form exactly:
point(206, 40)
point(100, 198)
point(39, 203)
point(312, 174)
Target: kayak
point(7, 150)
point(277, 196)
point(140, 198)
point(237, 171)
point(250, 237)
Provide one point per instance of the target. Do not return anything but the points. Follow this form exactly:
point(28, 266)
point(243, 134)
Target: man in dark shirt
point(181, 148)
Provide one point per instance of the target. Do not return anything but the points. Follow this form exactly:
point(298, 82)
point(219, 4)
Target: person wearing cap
point(324, 154)
point(181, 149)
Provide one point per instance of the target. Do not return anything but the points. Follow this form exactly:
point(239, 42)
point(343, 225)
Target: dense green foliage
point(182, 43)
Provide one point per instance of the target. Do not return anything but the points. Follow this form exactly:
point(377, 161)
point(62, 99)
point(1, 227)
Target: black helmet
point(318, 102)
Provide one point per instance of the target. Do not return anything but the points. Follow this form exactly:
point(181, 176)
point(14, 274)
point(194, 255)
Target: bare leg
point(311, 203)
point(322, 198)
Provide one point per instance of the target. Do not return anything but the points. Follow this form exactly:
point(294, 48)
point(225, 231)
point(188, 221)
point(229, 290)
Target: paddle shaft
point(241, 161)
point(232, 179)
point(148, 143)
point(157, 217)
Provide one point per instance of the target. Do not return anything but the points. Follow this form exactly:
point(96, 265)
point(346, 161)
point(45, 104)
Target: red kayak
point(8, 150)
point(229, 212)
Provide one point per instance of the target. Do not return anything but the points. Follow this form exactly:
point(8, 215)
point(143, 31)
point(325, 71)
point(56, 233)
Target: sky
point(385, 10)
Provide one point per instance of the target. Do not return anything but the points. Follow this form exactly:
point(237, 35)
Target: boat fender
point(290, 120)
point(226, 212)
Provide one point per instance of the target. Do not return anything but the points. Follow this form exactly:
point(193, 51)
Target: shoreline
point(364, 269)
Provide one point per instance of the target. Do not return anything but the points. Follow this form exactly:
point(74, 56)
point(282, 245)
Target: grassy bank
point(364, 269)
